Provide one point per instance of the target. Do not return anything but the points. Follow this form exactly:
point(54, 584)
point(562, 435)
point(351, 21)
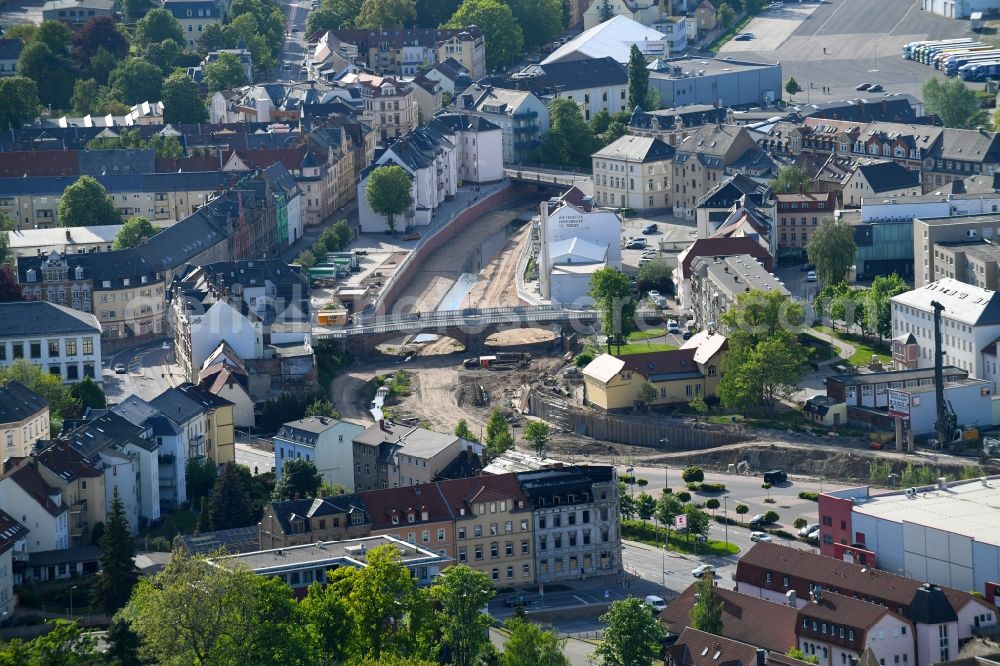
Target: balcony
point(525, 115)
point(530, 128)
point(79, 530)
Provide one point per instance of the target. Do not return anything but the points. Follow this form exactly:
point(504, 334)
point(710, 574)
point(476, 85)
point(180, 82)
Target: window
point(586, 517)
point(508, 527)
point(70, 348)
point(36, 349)
point(479, 552)
point(461, 533)
point(541, 523)
point(524, 547)
point(524, 525)
point(509, 549)
point(53, 348)
point(510, 572)
point(441, 534)
point(477, 531)
point(493, 529)
point(496, 574)
point(463, 555)
point(425, 536)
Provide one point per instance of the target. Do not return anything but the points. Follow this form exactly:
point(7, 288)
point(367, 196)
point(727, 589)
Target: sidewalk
point(845, 349)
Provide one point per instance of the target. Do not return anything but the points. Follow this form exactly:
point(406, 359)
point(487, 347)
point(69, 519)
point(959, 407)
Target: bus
point(947, 53)
point(912, 50)
point(980, 71)
point(952, 63)
point(927, 57)
point(921, 53)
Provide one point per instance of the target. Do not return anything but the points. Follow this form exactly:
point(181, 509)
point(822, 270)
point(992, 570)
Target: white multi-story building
point(326, 441)
point(970, 322)
point(521, 116)
point(194, 16)
point(170, 438)
point(35, 505)
point(60, 340)
point(633, 172)
point(64, 240)
point(199, 332)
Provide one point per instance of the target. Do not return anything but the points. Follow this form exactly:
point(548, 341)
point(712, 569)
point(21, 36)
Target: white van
point(656, 603)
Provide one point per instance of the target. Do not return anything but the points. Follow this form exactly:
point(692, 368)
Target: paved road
point(838, 44)
point(150, 371)
point(255, 460)
point(294, 49)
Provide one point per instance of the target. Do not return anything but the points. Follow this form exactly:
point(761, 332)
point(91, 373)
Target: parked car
point(808, 528)
point(807, 267)
point(120, 369)
point(757, 520)
point(775, 476)
point(703, 570)
point(656, 603)
point(636, 244)
point(649, 229)
point(776, 5)
point(863, 86)
point(412, 236)
point(743, 37)
point(651, 254)
point(877, 87)
point(673, 327)
point(516, 600)
point(654, 294)
point(760, 536)
point(687, 335)
point(814, 534)
point(811, 276)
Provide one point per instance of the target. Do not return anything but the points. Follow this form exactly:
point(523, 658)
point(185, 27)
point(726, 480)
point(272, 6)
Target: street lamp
point(71, 599)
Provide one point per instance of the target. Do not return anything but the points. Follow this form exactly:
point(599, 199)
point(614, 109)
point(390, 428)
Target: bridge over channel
point(470, 326)
point(544, 176)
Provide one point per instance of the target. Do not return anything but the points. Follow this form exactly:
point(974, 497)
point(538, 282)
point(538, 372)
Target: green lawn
point(648, 334)
point(646, 533)
point(864, 347)
point(822, 350)
point(642, 348)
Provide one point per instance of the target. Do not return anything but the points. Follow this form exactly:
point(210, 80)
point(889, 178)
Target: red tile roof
point(31, 482)
point(383, 504)
point(676, 361)
point(463, 493)
point(18, 164)
point(261, 159)
point(725, 247)
point(66, 462)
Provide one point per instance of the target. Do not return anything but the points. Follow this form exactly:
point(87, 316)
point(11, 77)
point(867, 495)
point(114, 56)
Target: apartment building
point(711, 248)
point(24, 419)
point(194, 16)
point(199, 331)
point(77, 12)
point(328, 442)
point(232, 383)
point(960, 154)
point(698, 648)
point(703, 160)
point(390, 455)
point(799, 215)
point(35, 505)
point(62, 240)
point(576, 522)
point(82, 485)
point(304, 521)
point(389, 104)
point(171, 439)
point(522, 117)
point(932, 235)
point(406, 51)
point(206, 418)
point(596, 84)
point(735, 192)
point(418, 515)
point(62, 341)
point(633, 172)
point(717, 283)
point(879, 181)
point(673, 124)
point(493, 527)
point(13, 545)
point(10, 53)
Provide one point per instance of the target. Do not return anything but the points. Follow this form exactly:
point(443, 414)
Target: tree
point(632, 636)
point(771, 516)
point(137, 80)
point(123, 645)
point(605, 11)
point(117, 575)
point(759, 315)
point(831, 248)
point(796, 653)
point(698, 405)
point(638, 79)
point(527, 643)
point(645, 506)
point(706, 613)
point(100, 32)
point(386, 14)
point(224, 73)
point(88, 394)
point(18, 101)
point(612, 294)
point(181, 102)
point(791, 179)
point(327, 624)
point(693, 474)
point(432, 13)
point(569, 141)
point(536, 432)
point(135, 231)
point(85, 203)
point(462, 593)
point(389, 193)
point(712, 504)
point(764, 374)
point(725, 16)
point(656, 274)
point(742, 510)
point(503, 36)
point(342, 235)
point(230, 503)
point(65, 645)
point(204, 523)
point(52, 73)
point(625, 502)
point(299, 478)
point(84, 99)
point(333, 16)
point(101, 65)
point(10, 288)
point(155, 26)
point(668, 507)
point(954, 103)
point(54, 34)
point(252, 617)
point(540, 20)
point(462, 430)
point(877, 302)
point(321, 407)
point(647, 393)
point(306, 259)
point(199, 476)
point(799, 523)
point(697, 521)
point(23, 32)
point(498, 437)
point(792, 87)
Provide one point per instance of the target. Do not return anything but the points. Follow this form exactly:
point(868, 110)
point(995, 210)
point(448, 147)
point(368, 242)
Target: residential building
point(909, 146)
point(596, 85)
point(207, 420)
point(933, 233)
point(705, 17)
point(404, 52)
point(418, 515)
point(712, 248)
point(748, 221)
point(799, 215)
point(523, 119)
point(296, 522)
point(62, 341)
point(614, 383)
point(194, 16)
point(389, 455)
point(493, 527)
point(704, 159)
point(428, 95)
point(726, 83)
point(62, 240)
point(300, 566)
point(197, 335)
point(478, 146)
point(10, 53)
point(77, 12)
point(575, 240)
point(287, 198)
point(970, 322)
point(633, 172)
point(389, 104)
point(576, 520)
point(717, 206)
point(645, 12)
point(328, 442)
point(243, 54)
point(452, 76)
point(899, 531)
point(614, 39)
point(82, 485)
point(959, 9)
point(24, 419)
point(231, 383)
point(716, 284)
point(942, 617)
point(13, 544)
point(208, 544)
point(35, 505)
point(467, 46)
point(698, 648)
point(874, 180)
point(672, 125)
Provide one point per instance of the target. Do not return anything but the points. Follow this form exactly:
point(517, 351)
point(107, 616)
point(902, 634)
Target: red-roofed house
point(36, 505)
point(233, 384)
point(415, 514)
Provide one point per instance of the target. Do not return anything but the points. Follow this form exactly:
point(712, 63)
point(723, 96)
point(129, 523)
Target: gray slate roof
point(18, 402)
point(43, 318)
point(888, 176)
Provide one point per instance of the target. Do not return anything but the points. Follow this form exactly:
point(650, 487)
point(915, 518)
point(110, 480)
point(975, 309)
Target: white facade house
point(199, 334)
point(576, 240)
point(633, 172)
point(60, 340)
point(612, 38)
point(522, 117)
point(37, 506)
point(970, 322)
point(13, 542)
point(326, 441)
point(172, 448)
point(478, 146)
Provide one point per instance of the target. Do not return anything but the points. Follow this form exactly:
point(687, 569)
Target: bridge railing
point(471, 318)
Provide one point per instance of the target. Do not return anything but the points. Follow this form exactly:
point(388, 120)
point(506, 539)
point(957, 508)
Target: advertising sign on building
point(899, 403)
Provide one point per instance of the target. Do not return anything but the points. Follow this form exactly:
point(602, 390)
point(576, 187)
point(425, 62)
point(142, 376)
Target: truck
point(952, 63)
point(500, 361)
point(976, 21)
point(980, 71)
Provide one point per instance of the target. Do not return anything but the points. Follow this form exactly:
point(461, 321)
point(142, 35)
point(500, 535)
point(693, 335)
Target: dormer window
point(395, 519)
point(411, 517)
point(424, 515)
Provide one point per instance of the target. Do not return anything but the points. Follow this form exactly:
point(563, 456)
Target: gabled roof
point(464, 493)
point(585, 74)
point(612, 38)
point(26, 476)
point(44, 318)
point(962, 302)
point(34, 163)
point(724, 247)
point(286, 510)
point(604, 368)
point(639, 149)
point(400, 502)
point(11, 532)
point(216, 377)
point(888, 176)
point(737, 186)
point(576, 246)
point(664, 365)
point(110, 430)
point(66, 462)
point(18, 402)
point(968, 145)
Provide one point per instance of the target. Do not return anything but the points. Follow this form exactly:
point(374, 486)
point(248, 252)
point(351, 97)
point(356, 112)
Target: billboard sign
point(899, 403)
point(680, 521)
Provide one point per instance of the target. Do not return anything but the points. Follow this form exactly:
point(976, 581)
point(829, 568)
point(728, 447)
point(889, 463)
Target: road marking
point(582, 601)
point(902, 18)
point(819, 30)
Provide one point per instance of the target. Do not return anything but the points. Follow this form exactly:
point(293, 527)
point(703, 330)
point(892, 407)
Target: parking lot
point(841, 43)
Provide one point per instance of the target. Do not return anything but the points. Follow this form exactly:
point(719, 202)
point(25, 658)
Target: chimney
point(69, 236)
point(381, 425)
point(790, 598)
